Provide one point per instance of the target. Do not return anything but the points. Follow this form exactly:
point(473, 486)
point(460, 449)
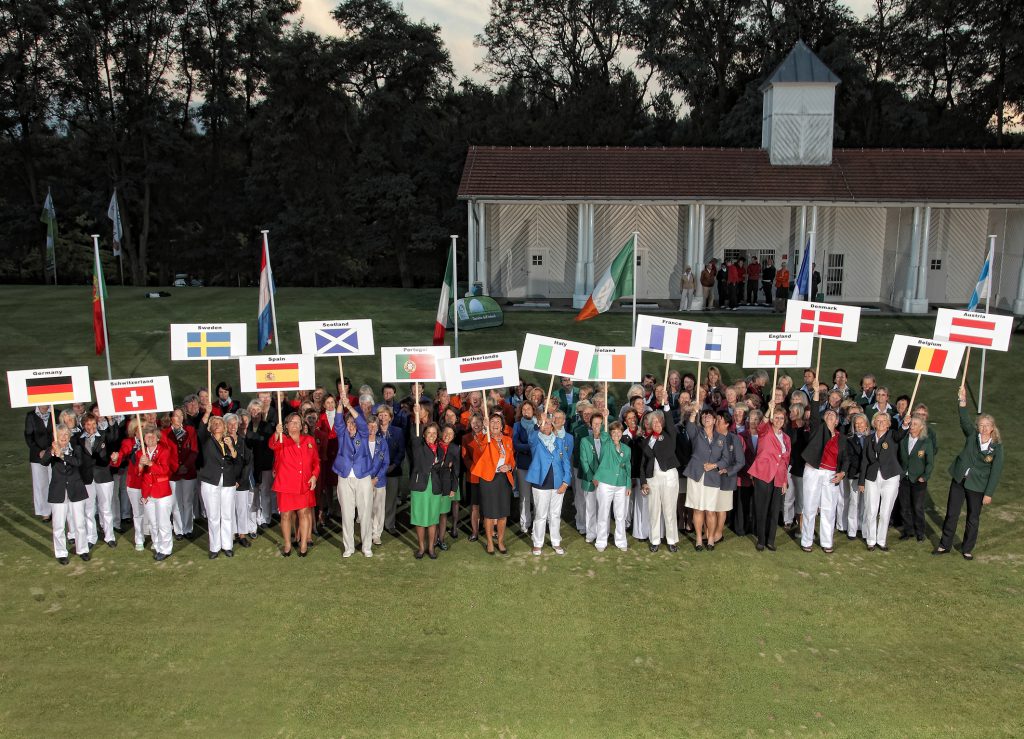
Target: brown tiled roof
point(855, 175)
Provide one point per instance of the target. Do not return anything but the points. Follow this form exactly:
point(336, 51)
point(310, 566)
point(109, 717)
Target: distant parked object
point(183, 280)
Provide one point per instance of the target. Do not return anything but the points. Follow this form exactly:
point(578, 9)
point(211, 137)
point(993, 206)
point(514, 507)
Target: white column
point(923, 263)
point(590, 248)
point(579, 296)
point(691, 238)
point(471, 242)
point(701, 225)
point(1018, 304)
point(910, 290)
point(481, 248)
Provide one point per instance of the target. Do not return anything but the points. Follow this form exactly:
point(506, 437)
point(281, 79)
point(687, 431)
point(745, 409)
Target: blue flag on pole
point(984, 287)
point(803, 279)
point(265, 322)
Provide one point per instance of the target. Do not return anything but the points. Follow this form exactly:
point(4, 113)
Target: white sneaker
point(376, 542)
point(623, 549)
point(367, 553)
point(536, 551)
point(346, 555)
point(558, 550)
point(140, 547)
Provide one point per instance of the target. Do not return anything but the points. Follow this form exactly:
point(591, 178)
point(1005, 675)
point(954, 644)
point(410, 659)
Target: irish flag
point(617, 282)
point(447, 291)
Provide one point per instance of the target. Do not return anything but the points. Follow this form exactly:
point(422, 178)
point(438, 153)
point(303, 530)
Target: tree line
point(217, 118)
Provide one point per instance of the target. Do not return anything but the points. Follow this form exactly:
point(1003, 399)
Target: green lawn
point(730, 642)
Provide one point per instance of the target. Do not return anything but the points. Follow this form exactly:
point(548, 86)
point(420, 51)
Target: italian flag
point(447, 291)
point(615, 283)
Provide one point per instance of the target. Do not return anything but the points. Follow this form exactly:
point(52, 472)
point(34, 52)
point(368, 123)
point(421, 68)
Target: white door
point(936, 278)
point(641, 273)
point(537, 273)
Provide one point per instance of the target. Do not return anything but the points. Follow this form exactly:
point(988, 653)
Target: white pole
point(103, 304)
point(270, 274)
point(812, 238)
point(636, 238)
point(988, 296)
point(455, 291)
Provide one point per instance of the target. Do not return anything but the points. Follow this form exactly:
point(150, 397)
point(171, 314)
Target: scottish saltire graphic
point(329, 338)
point(29, 388)
point(285, 372)
point(679, 339)
point(264, 315)
point(481, 372)
point(925, 356)
point(616, 364)
point(134, 395)
point(984, 330)
point(825, 320)
point(556, 357)
point(198, 341)
point(983, 290)
point(413, 363)
point(769, 350)
point(721, 344)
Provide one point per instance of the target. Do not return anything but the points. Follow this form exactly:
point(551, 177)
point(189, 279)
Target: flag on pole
point(265, 321)
point(99, 294)
point(114, 214)
point(615, 283)
point(49, 217)
point(803, 278)
point(447, 291)
point(983, 289)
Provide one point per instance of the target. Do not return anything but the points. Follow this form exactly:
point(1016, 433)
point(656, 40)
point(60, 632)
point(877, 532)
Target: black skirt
point(495, 497)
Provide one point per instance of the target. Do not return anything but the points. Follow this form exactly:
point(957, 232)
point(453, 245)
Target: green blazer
point(613, 468)
point(588, 461)
point(579, 432)
point(564, 403)
point(920, 462)
point(985, 467)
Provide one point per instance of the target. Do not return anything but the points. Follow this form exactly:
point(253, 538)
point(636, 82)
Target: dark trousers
point(766, 287)
point(743, 511)
point(767, 503)
point(735, 294)
point(957, 494)
point(723, 294)
point(751, 292)
point(912, 495)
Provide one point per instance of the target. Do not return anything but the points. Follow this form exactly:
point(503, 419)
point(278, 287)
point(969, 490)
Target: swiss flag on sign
point(136, 399)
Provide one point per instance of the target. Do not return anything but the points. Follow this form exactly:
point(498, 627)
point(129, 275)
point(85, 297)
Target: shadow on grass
point(21, 526)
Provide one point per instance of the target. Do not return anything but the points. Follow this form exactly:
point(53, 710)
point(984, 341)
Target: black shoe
point(85, 557)
point(905, 536)
point(62, 560)
point(673, 548)
point(214, 555)
point(653, 547)
point(968, 556)
point(920, 538)
point(851, 538)
point(303, 553)
point(179, 537)
point(229, 552)
point(771, 547)
point(112, 543)
point(244, 543)
point(871, 547)
point(284, 553)
point(699, 548)
point(807, 549)
point(118, 529)
point(711, 546)
point(760, 547)
point(455, 533)
point(474, 537)
point(160, 557)
point(393, 532)
point(419, 555)
point(442, 546)
point(883, 547)
point(940, 550)
point(432, 555)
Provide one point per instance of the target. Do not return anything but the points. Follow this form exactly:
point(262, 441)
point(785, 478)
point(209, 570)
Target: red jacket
point(188, 451)
point(326, 438)
point(134, 480)
point(735, 274)
point(754, 272)
point(156, 477)
point(772, 461)
point(294, 463)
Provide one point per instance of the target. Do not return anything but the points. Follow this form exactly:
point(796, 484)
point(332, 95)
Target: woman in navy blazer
point(521, 444)
point(550, 475)
point(702, 472)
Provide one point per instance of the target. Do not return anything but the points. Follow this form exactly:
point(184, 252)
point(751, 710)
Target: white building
point(906, 228)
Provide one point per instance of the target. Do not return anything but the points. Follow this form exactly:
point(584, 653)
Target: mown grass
point(732, 642)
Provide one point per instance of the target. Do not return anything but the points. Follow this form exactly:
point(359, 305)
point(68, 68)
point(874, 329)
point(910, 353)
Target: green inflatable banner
point(478, 311)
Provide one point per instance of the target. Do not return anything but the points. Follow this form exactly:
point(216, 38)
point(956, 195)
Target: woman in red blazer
point(126, 455)
point(157, 461)
point(296, 470)
point(327, 446)
point(184, 482)
point(770, 475)
point(493, 464)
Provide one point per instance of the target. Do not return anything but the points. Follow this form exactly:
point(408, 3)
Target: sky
point(460, 21)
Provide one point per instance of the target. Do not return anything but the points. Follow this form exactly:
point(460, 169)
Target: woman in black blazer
point(67, 495)
point(880, 471)
point(659, 478)
point(38, 436)
point(97, 447)
point(424, 483)
point(451, 466)
point(217, 479)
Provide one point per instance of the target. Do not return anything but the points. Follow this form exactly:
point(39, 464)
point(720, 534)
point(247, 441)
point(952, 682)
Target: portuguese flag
point(415, 367)
point(616, 282)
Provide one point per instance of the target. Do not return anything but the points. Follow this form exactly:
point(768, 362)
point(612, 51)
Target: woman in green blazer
point(917, 458)
point(975, 474)
point(612, 484)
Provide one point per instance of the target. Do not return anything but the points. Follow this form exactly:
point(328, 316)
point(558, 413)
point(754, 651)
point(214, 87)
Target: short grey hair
point(366, 398)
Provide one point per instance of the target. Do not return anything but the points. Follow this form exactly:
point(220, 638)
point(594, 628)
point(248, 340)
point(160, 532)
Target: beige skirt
point(701, 497)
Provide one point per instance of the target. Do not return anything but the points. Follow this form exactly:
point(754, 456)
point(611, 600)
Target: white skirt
point(701, 497)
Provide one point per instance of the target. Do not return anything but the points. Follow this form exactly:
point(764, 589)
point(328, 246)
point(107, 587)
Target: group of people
point(683, 458)
point(734, 282)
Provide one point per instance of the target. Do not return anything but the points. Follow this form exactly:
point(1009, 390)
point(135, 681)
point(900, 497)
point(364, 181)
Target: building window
point(735, 254)
point(936, 265)
point(537, 260)
point(639, 256)
point(763, 255)
point(834, 276)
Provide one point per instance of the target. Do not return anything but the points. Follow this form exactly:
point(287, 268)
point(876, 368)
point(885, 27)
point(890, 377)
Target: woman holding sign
point(157, 462)
point(494, 465)
point(217, 479)
point(770, 474)
point(975, 474)
point(66, 494)
point(296, 469)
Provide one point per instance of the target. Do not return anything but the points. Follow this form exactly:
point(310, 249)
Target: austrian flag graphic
point(971, 328)
point(824, 320)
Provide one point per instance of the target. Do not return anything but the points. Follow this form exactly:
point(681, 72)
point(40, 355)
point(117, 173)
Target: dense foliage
point(217, 118)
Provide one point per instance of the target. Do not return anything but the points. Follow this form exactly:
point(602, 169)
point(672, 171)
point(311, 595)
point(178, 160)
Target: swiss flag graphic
point(136, 399)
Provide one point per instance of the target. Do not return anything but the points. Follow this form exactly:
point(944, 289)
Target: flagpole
point(988, 297)
point(103, 304)
point(455, 291)
point(636, 238)
point(270, 274)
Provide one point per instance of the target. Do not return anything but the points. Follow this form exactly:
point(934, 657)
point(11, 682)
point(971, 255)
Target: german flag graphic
point(924, 359)
point(43, 390)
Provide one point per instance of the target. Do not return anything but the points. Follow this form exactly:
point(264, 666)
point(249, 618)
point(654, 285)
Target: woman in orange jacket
point(493, 465)
point(472, 442)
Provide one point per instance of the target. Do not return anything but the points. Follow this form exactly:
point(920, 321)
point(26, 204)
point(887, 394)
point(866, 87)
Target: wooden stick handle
point(280, 418)
point(53, 420)
point(487, 419)
point(967, 361)
point(817, 367)
point(341, 372)
point(668, 362)
point(910, 408)
point(209, 380)
point(547, 398)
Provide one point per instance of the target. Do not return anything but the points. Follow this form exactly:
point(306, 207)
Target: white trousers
point(268, 499)
point(879, 497)
point(579, 501)
point(379, 506)
point(356, 493)
point(138, 515)
point(219, 501)
point(635, 487)
point(793, 501)
point(590, 506)
point(41, 489)
point(819, 493)
point(183, 492)
point(244, 522)
point(851, 508)
point(104, 497)
point(63, 513)
point(610, 498)
point(547, 514)
point(525, 499)
point(158, 514)
point(688, 299)
point(90, 514)
point(662, 502)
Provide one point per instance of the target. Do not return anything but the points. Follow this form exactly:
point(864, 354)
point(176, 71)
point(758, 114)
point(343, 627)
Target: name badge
point(989, 459)
point(921, 454)
point(885, 445)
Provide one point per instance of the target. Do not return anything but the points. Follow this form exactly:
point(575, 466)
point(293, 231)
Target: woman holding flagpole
point(424, 479)
point(296, 469)
point(494, 465)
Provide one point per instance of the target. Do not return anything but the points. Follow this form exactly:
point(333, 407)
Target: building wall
point(858, 234)
point(959, 237)
point(661, 241)
point(800, 122)
point(899, 228)
point(514, 230)
point(1008, 226)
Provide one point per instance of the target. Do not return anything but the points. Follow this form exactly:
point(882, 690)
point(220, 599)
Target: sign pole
point(967, 362)
point(341, 376)
point(988, 297)
point(209, 382)
point(910, 408)
point(547, 398)
point(668, 361)
point(280, 418)
point(487, 419)
point(607, 410)
point(817, 367)
point(53, 420)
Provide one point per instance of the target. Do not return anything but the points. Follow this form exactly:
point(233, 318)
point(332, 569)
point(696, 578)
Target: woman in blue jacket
point(549, 476)
point(521, 444)
point(354, 466)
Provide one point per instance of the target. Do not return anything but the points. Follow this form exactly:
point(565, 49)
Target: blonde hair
point(214, 421)
point(995, 429)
